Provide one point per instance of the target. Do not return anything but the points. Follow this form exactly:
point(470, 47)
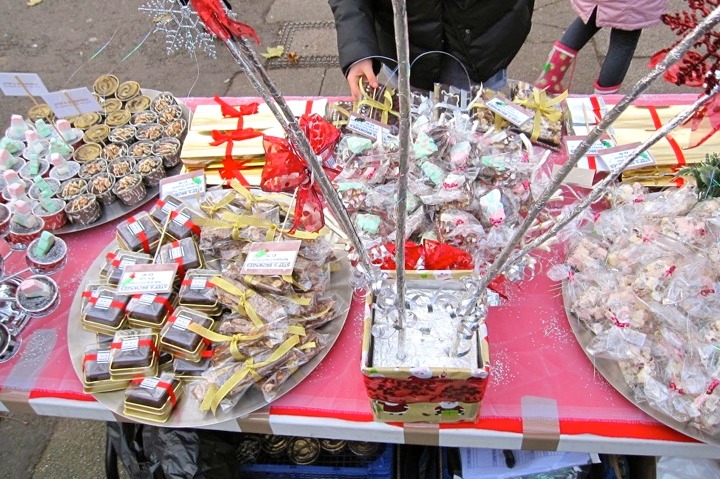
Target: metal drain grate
point(313, 43)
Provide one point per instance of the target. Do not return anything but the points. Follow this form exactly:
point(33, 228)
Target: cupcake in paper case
point(38, 295)
point(46, 254)
point(151, 169)
point(122, 166)
point(141, 149)
point(144, 117)
point(169, 114)
point(130, 189)
point(83, 210)
point(52, 212)
point(33, 168)
point(124, 134)
point(163, 101)
point(92, 168)
point(109, 105)
point(22, 234)
point(101, 186)
point(86, 120)
point(43, 187)
point(169, 150)
point(72, 189)
point(114, 150)
point(149, 131)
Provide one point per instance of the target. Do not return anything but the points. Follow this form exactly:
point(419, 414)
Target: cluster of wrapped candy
point(221, 330)
point(644, 279)
point(469, 186)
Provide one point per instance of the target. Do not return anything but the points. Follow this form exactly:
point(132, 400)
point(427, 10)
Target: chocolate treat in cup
point(123, 134)
point(143, 118)
point(106, 85)
point(72, 188)
point(162, 101)
point(149, 131)
point(41, 111)
point(130, 189)
point(122, 166)
point(304, 450)
point(52, 212)
point(43, 187)
point(141, 149)
point(127, 90)
point(101, 186)
point(34, 168)
point(151, 169)
point(86, 120)
point(97, 134)
point(176, 129)
point(4, 220)
point(118, 118)
point(169, 150)
point(114, 150)
point(87, 152)
point(46, 254)
point(109, 105)
point(139, 103)
point(38, 295)
point(169, 114)
point(83, 210)
point(92, 168)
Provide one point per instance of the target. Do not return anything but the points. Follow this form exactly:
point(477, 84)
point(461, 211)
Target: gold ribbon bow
point(243, 296)
point(542, 106)
point(385, 107)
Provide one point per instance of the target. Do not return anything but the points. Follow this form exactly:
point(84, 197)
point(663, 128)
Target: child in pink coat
point(626, 20)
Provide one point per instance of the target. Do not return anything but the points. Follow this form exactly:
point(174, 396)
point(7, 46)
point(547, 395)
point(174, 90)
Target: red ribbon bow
point(231, 167)
point(215, 18)
point(286, 171)
point(229, 111)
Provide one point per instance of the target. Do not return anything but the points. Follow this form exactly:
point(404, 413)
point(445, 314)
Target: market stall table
point(538, 370)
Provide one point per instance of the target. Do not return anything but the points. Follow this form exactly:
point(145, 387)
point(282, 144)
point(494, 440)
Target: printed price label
point(614, 157)
point(180, 186)
point(271, 258)
point(147, 278)
point(513, 113)
point(71, 102)
point(176, 252)
point(181, 218)
point(103, 357)
point(21, 84)
point(147, 299)
point(135, 227)
point(125, 262)
point(130, 344)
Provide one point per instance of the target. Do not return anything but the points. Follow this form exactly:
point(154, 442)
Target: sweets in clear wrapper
point(104, 311)
point(150, 310)
point(178, 338)
point(152, 398)
point(96, 371)
point(139, 233)
point(133, 353)
point(184, 253)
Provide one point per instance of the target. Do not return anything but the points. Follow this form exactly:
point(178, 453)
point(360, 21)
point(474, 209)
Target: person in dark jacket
point(484, 35)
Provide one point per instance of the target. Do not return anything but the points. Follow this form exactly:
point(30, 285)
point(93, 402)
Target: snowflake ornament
point(182, 27)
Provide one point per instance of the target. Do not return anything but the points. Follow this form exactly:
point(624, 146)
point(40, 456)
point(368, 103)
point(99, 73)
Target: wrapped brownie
point(184, 252)
point(152, 398)
point(177, 338)
point(133, 353)
point(150, 310)
point(196, 290)
point(130, 189)
point(548, 113)
point(96, 371)
point(182, 223)
point(162, 209)
point(139, 233)
point(104, 311)
point(185, 369)
point(117, 261)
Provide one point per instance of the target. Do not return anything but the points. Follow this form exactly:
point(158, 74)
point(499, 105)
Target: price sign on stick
point(71, 102)
point(22, 84)
point(180, 186)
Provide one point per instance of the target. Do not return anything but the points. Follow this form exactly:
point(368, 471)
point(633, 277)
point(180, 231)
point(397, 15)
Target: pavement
point(70, 43)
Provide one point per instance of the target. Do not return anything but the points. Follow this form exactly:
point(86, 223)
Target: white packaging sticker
point(181, 218)
point(199, 282)
point(271, 258)
point(103, 302)
point(182, 323)
point(135, 227)
point(147, 299)
point(103, 357)
point(126, 262)
point(130, 344)
point(513, 113)
point(149, 383)
point(176, 252)
point(614, 157)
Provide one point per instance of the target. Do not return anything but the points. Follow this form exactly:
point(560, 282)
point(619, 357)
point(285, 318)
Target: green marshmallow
point(44, 244)
point(497, 162)
point(357, 144)
point(60, 147)
point(43, 129)
point(350, 185)
point(369, 223)
point(12, 146)
point(424, 146)
point(45, 189)
point(48, 204)
point(434, 172)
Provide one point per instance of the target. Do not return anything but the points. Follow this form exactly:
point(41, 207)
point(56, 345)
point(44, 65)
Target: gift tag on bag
point(613, 157)
point(271, 258)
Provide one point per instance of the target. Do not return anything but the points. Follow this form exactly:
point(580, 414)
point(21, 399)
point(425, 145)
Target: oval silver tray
point(610, 370)
point(117, 209)
point(187, 412)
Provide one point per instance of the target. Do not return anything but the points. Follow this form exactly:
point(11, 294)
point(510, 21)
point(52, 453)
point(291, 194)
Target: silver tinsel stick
point(603, 185)
point(672, 57)
point(401, 42)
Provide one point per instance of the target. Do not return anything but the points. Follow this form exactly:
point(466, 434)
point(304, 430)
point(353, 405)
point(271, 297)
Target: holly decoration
point(707, 176)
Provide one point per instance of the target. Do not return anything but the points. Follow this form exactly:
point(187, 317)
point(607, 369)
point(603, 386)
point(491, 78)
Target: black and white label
point(103, 357)
point(198, 283)
point(103, 302)
point(182, 323)
point(149, 383)
point(130, 344)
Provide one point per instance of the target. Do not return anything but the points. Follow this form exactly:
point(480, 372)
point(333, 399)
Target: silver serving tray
point(187, 412)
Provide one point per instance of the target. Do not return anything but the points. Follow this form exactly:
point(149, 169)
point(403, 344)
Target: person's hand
point(363, 68)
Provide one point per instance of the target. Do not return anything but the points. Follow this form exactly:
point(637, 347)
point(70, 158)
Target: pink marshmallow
point(56, 159)
point(22, 207)
point(34, 288)
point(17, 121)
point(11, 177)
point(4, 155)
point(16, 190)
point(63, 126)
point(31, 136)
